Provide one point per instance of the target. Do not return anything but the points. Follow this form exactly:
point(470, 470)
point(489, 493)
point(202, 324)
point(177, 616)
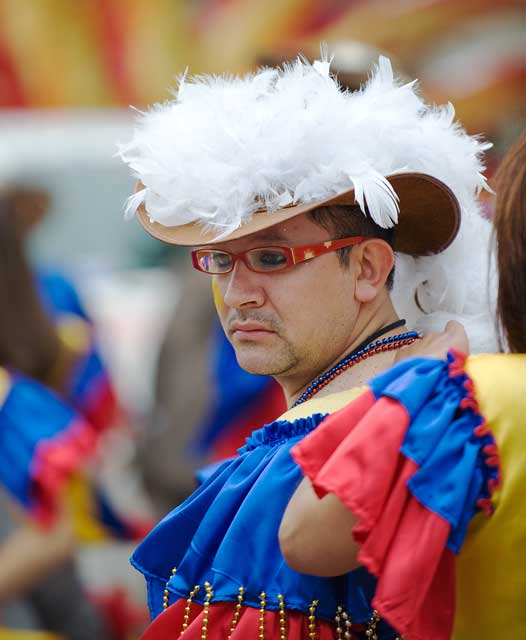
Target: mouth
point(249, 330)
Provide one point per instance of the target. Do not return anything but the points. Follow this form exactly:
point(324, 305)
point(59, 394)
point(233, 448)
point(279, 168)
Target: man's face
point(291, 323)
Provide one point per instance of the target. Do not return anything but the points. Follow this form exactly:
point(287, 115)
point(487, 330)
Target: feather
point(224, 145)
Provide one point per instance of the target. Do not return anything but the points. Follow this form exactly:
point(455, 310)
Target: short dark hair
point(342, 221)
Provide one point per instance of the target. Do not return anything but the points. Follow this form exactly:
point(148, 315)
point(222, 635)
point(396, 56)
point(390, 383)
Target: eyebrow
point(267, 237)
point(273, 236)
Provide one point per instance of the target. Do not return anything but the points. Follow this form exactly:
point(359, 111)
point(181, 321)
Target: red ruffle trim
point(457, 368)
point(355, 454)
point(221, 616)
point(54, 462)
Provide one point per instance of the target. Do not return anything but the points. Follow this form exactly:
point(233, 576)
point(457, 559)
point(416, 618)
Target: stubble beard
point(266, 361)
point(277, 358)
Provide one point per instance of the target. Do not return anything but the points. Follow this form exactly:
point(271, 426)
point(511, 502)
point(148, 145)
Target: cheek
point(303, 296)
point(327, 295)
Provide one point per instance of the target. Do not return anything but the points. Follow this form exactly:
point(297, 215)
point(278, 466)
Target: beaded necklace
point(369, 347)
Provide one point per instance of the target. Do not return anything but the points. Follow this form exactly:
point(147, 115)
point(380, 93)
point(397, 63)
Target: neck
point(355, 376)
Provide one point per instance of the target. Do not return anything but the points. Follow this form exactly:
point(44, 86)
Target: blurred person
point(339, 464)
point(47, 323)
point(295, 195)
point(46, 333)
point(43, 442)
point(74, 367)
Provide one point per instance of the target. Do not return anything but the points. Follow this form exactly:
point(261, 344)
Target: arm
point(315, 535)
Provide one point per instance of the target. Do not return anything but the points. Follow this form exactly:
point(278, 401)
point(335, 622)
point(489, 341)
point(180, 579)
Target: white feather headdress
point(224, 145)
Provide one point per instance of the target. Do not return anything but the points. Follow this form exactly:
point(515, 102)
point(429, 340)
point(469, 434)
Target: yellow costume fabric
point(491, 568)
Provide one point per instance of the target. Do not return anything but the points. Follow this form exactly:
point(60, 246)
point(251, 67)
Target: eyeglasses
point(266, 259)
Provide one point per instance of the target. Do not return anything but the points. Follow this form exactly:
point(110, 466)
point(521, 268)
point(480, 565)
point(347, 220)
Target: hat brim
point(428, 221)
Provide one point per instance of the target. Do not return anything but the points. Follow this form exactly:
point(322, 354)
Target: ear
point(373, 260)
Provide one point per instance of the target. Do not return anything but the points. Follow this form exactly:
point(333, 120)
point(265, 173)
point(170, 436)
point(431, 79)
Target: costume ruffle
point(226, 534)
point(42, 443)
point(413, 459)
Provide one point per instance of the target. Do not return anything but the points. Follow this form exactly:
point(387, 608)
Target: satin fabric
point(412, 516)
point(248, 624)
point(226, 533)
point(219, 535)
point(491, 574)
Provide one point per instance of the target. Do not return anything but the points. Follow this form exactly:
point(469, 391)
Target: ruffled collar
point(281, 431)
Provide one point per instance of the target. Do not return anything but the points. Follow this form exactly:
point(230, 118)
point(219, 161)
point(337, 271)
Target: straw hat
point(230, 156)
point(428, 220)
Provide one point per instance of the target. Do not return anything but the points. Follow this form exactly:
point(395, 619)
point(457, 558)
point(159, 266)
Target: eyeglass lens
point(214, 261)
point(263, 260)
point(267, 259)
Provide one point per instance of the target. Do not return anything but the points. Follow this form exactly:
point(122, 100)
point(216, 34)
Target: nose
point(241, 287)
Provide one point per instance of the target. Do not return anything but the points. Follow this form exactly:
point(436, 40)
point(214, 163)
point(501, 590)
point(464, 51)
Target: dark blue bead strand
point(385, 344)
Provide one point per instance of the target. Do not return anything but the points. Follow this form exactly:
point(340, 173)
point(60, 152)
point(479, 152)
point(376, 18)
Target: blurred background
point(71, 69)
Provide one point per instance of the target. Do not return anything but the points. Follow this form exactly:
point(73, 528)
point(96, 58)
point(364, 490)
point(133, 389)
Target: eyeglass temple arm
point(307, 252)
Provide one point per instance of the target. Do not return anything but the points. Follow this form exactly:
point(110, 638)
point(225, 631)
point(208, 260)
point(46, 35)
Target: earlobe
point(375, 259)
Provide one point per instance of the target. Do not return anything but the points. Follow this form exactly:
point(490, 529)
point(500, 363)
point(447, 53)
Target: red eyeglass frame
point(294, 255)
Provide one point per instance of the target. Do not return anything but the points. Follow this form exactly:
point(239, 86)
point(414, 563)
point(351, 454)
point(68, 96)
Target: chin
point(259, 362)
point(257, 368)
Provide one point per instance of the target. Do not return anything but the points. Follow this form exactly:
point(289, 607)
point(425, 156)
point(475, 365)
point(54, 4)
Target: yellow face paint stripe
point(218, 298)
point(5, 385)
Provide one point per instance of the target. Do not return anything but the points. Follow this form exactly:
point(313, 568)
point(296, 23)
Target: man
point(181, 437)
point(296, 195)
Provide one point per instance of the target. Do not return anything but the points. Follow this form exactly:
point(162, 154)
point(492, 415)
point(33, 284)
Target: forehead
point(295, 232)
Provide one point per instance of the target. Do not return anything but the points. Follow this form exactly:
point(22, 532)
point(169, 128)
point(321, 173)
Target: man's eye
point(270, 259)
point(221, 260)
point(215, 262)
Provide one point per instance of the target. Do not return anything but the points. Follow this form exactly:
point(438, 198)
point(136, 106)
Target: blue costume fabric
point(226, 533)
point(441, 440)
